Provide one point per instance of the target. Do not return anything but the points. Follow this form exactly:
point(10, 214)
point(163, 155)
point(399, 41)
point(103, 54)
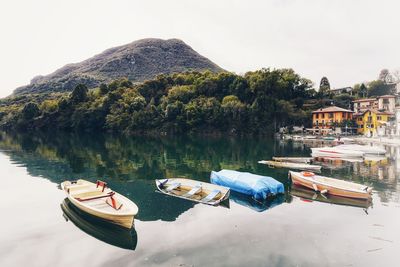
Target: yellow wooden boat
point(193, 190)
point(332, 186)
point(100, 201)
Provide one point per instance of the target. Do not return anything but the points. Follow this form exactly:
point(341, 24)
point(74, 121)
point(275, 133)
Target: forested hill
point(138, 61)
point(258, 102)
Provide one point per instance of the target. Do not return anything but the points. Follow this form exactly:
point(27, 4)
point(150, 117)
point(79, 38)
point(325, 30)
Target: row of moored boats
point(98, 200)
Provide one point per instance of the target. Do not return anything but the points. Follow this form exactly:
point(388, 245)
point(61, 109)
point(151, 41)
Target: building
point(381, 103)
point(343, 90)
point(327, 120)
point(373, 122)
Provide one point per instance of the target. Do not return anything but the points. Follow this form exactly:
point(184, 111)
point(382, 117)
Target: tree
point(324, 87)
point(378, 88)
point(103, 89)
point(79, 94)
point(362, 91)
point(385, 76)
point(30, 111)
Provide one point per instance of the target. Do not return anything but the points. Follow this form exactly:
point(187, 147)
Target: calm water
point(298, 229)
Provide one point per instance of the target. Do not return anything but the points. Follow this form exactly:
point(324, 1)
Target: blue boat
point(257, 186)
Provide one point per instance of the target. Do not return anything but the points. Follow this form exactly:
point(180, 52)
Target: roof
point(365, 100)
point(343, 88)
point(386, 96)
point(332, 109)
point(374, 111)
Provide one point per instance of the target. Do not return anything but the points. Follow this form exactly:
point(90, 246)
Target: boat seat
point(93, 195)
point(70, 187)
point(111, 201)
point(172, 187)
point(211, 196)
point(195, 190)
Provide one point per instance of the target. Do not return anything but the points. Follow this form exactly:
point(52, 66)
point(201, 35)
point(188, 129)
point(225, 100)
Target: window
point(378, 118)
point(330, 115)
point(385, 101)
point(369, 118)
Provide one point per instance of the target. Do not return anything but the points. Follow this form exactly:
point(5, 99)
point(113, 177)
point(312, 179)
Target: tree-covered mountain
point(138, 61)
point(258, 102)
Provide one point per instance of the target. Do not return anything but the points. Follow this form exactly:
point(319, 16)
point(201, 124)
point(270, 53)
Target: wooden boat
point(290, 165)
point(193, 190)
point(100, 201)
point(310, 195)
point(102, 230)
point(331, 186)
point(293, 159)
point(335, 152)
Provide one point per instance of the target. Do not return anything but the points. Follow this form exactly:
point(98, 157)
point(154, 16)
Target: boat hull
point(336, 153)
point(125, 221)
point(123, 217)
point(314, 184)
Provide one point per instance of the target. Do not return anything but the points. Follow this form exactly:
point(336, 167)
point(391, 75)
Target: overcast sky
point(348, 41)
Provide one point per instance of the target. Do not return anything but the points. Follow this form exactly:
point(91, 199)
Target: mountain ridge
point(138, 61)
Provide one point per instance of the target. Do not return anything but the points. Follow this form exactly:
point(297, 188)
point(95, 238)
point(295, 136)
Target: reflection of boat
point(330, 185)
point(335, 152)
point(293, 159)
point(305, 193)
point(335, 160)
point(290, 165)
point(99, 229)
point(259, 206)
point(374, 158)
point(193, 190)
point(100, 201)
point(297, 138)
point(363, 148)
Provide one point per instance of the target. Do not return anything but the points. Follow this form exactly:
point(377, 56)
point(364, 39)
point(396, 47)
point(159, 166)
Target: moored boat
point(256, 186)
point(363, 148)
point(100, 201)
point(193, 190)
point(107, 232)
point(294, 159)
point(290, 165)
point(334, 152)
point(330, 186)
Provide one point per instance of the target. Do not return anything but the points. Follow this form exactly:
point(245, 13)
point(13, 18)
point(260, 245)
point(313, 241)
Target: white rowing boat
point(294, 159)
point(326, 185)
point(290, 165)
point(334, 152)
point(100, 201)
point(193, 190)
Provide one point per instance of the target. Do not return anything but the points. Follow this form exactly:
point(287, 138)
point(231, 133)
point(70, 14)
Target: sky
point(349, 41)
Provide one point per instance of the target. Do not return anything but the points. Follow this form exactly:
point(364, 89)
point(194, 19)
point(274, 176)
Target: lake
point(299, 228)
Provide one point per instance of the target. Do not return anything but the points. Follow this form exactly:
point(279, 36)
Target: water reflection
point(106, 232)
point(256, 205)
point(309, 195)
point(130, 164)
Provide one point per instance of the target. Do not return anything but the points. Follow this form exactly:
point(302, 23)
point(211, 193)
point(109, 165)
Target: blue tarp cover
point(260, 187)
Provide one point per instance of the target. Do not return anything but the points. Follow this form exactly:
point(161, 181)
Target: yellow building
point(325, 119)
point(372, 122)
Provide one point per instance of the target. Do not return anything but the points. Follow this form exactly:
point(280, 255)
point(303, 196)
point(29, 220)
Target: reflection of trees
point(132, 163)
